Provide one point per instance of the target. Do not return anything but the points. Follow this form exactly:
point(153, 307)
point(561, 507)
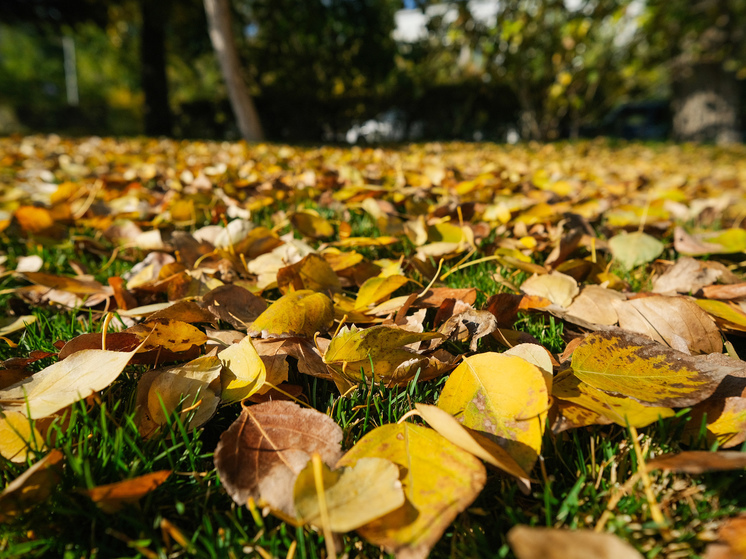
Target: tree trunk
point(705, 105)
point(157, 111)
point(221, 35)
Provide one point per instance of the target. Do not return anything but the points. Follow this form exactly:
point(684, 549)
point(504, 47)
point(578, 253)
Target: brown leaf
point(699, 461)
point(113, 497)
point(595, 304)
point(688, 275)
point(263, 451)
point(725, 292)
point(549, 543)
point(671, 321)
point(235, 305)
point(470, 323)
point(32, 487)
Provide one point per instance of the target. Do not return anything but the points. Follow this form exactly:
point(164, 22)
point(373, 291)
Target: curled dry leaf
point(353, 496)
point(439, 480)
point(113, 497)
point(469, 323)
point(502, 397)
point(623, 364)
point(550, 543)
point(297, 314)
point(262, 452)
point(65, 382)
point(699, 461)
point(669, 320)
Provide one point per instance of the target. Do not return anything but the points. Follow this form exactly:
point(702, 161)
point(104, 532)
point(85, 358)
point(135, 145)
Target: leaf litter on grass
point(265, 272)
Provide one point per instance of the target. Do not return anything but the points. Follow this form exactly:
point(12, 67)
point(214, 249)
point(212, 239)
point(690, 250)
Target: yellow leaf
point(296, 314)
point(503, 398)
point(312, 272)
point(192, 384)
point(624, 364)
point(65, 382)
point(354, 496)
point(622, 411)
point(243, 373)
point(354, 349)
point(439, 480)
point(471, 441)
point(377, 289)
point(311, 224)
point(18, 436)
point(168, 333)
point(555, 286)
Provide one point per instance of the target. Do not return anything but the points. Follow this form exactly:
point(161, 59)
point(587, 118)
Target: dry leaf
point(503, 398)
point(688, 275)
point(353, 496)
point(623, 364)
point(549, 543)
point(296, 314)
point(65, 382)
point(244, 372)
point(32, 487)
point(669, 320)
point(235, 305)
point(699, 461)
point(555, 286)
point(113, 497)
point(596, 305)
point(263, 451)
point(439, 480)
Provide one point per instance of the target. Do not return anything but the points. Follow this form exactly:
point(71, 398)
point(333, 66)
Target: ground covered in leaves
point(215, 349)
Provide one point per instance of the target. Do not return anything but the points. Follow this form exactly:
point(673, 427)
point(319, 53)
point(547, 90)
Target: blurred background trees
point(357, 70)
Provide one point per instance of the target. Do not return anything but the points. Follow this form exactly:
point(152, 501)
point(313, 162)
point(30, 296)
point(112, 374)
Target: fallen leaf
point(439, 480)
point(196, 383)
point(620, 410)
point(634, 249)
point(312, 272)
point(65, 382)
point(727, 315)
point(311, 224)
point(596, 305)
point(234, 304)
point(9, 325)
point(269, 444)
point(550, 543)
point(18, 437)
point(376, 352)
point(669, 320)
point(472, 442)
point(353, 496)
point(173, 335)
point(726, 241)
point(699, 461)
point(503, 398)
point(244, 372)
point(688, 275)
point(555, 286)
point(469, 323)
point(297, 314)
point(623, 364)
point(32, 487)
point(113, 497)
point(375, 290)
